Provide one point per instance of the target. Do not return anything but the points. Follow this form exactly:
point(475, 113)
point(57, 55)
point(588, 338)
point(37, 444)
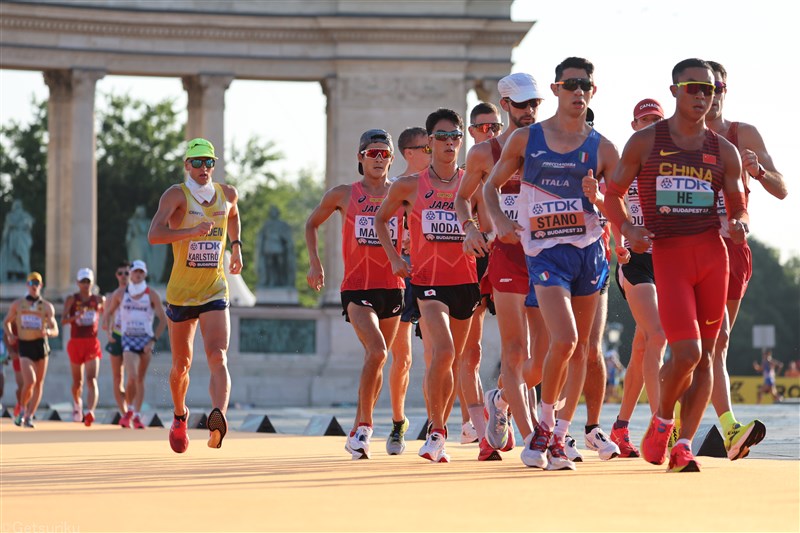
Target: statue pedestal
point(276, 295)
point(11, 290)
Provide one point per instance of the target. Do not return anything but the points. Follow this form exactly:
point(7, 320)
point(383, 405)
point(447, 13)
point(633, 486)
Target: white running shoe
point(433, 449)
point(571, 449)
point(534, 454)
point(77, 411)
point(358, 444)
point(468, 433)
point(557, 458)
point(496, 421)
point(598, 441)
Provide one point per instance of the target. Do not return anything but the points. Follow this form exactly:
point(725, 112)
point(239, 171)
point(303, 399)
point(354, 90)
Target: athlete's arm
point(401, 194)
point(11, 316)
point(511, 160)
point(470, 186)
point(607, 161)
point(733, 190)
point(628, 167)
point(160, 233)
point(50, 328)
point(113, 304)
point(155, 301)
point(66, 318)
point(234, 228)
point(333, 200)
point(623, 254)
point(755, 155)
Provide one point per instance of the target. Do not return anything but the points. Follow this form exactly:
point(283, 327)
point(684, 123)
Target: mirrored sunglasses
point(694, 87)
point(197, 163)
point(373, 153)
point(441, 135)
point(34, 283)
point(424, 147)
point(486, 127)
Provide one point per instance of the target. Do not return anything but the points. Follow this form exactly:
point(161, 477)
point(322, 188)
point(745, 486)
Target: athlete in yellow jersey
point(195, 217)
point(35, 320)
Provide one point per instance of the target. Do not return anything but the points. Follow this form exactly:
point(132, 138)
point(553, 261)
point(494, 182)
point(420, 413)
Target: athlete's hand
point(507, 230)
point(738, 230)
point(12, 339)
point(474, 242)
point(400, 267)
point(750, 162)
point(236, 260)
point(406, 243)
point(316, 277)
point(203, 228)
point(148, 348)
point(590, 186)
point(623, 255)
point(639, 237)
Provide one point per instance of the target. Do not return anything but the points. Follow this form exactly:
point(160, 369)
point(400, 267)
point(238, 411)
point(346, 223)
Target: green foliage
point(23, 175)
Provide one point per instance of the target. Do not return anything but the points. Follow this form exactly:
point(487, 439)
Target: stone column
point(486, 90)
point(206, 110)
point(71, 177)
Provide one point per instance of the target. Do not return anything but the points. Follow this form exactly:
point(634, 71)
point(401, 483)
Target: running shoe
point(556, 456)
point(741, 438)
point(496, 421)
point(217, 428)
point(28, 423)
point(535, 452)
point(178, 435)
point(88, 418)
point(125, 421)
point(18, 419)
point(358, 444)
point(137, 422)
point(654, 443)
point(468, 433)
point(622, 438)
point(510, 444)
point(673, 437)
point(487, 453)
point(682, 460)
point(396, 443)
point(571, 449)
point(433, 449)
point(598, 441)
point(77, 411)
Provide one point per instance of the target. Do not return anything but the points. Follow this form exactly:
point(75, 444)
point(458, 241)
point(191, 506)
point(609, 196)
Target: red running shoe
point(487, 453)
point(622, 438)
point(654, 443)
point(88, 418)
point(682, 460)
point(178, 437)
point(137, 422)
point(125, 421)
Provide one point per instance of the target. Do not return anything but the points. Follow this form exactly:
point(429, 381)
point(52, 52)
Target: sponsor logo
point(396, 309)
point(664, 210)
point(538, 153)
point(196, 213)
point(506, 280)
point(362, 199)
point(429, 194)
point(595, 280)
point(218, 213)
point(365, 302)
point(662, 153)
point(710, 322)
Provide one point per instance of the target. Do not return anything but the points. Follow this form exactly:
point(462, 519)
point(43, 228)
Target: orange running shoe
point(178, 437)
point(622, 438)
point(654, 443)
point(682, 460)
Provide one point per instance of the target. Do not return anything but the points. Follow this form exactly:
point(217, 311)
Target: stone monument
point(138, 247)
point(275, 261)
point(15, 245)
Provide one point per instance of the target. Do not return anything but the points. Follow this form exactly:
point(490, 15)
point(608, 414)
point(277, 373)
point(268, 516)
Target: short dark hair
point(718, 68)
point(574, 62)
point(692, 62)
point(443, 114)
point(483, 108)
point(124, 264)
point(408, 135)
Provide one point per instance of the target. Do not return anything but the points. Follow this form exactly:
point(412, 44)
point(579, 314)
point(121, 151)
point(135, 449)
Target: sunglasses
point(198, 163)
point(424, 147)
point(533, 103)
point(441, 135)
point(720, 86)
point(34, 283)
point(373, 153)
point(123, 273)
point(573, 83)
point(694, 87)
point(486, 127)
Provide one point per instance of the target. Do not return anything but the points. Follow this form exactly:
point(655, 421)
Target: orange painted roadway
point(64, 477)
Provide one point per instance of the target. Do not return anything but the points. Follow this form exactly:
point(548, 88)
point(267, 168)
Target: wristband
point(237, 241)
point(464, 225)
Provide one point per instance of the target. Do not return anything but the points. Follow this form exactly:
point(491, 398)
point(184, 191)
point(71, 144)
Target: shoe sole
point(399, 451)
point(691, 466)
point(494, 456)
point(218, 428)
point(756, 435)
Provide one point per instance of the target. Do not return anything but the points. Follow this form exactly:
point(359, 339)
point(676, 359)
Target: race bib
point(204, 254)
point(134, 328)
point(683, 195)
point(556, 218)
point(441, 226)
point(31, 321)
point(87, 318)
point(721, 211)
point(364, 230)
point(508, 203)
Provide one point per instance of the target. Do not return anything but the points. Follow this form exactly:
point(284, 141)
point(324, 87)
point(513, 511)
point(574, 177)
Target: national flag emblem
point(544, 276)
point(583, 156)
point(710, 159)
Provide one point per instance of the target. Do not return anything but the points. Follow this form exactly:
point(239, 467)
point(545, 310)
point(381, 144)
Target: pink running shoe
point(654, 443)
point(137, 422)
point(178, 436)
point(125, 421)
point(622, 438)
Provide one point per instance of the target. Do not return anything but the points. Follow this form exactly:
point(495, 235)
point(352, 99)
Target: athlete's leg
point(634, 378)
point(216, 330)
point(141, 374)
point(40, 368)
point(594, 387)
point(181, 335)
point(29, 378)
point(721, 393)
point(117, 379)
point(398, 373)
point(366, 325)
point(131, 362)
point(77, 383)
point(514, 352)
point(92, 370)
point(643, 303)
point(471, 387)
point(534, 366)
